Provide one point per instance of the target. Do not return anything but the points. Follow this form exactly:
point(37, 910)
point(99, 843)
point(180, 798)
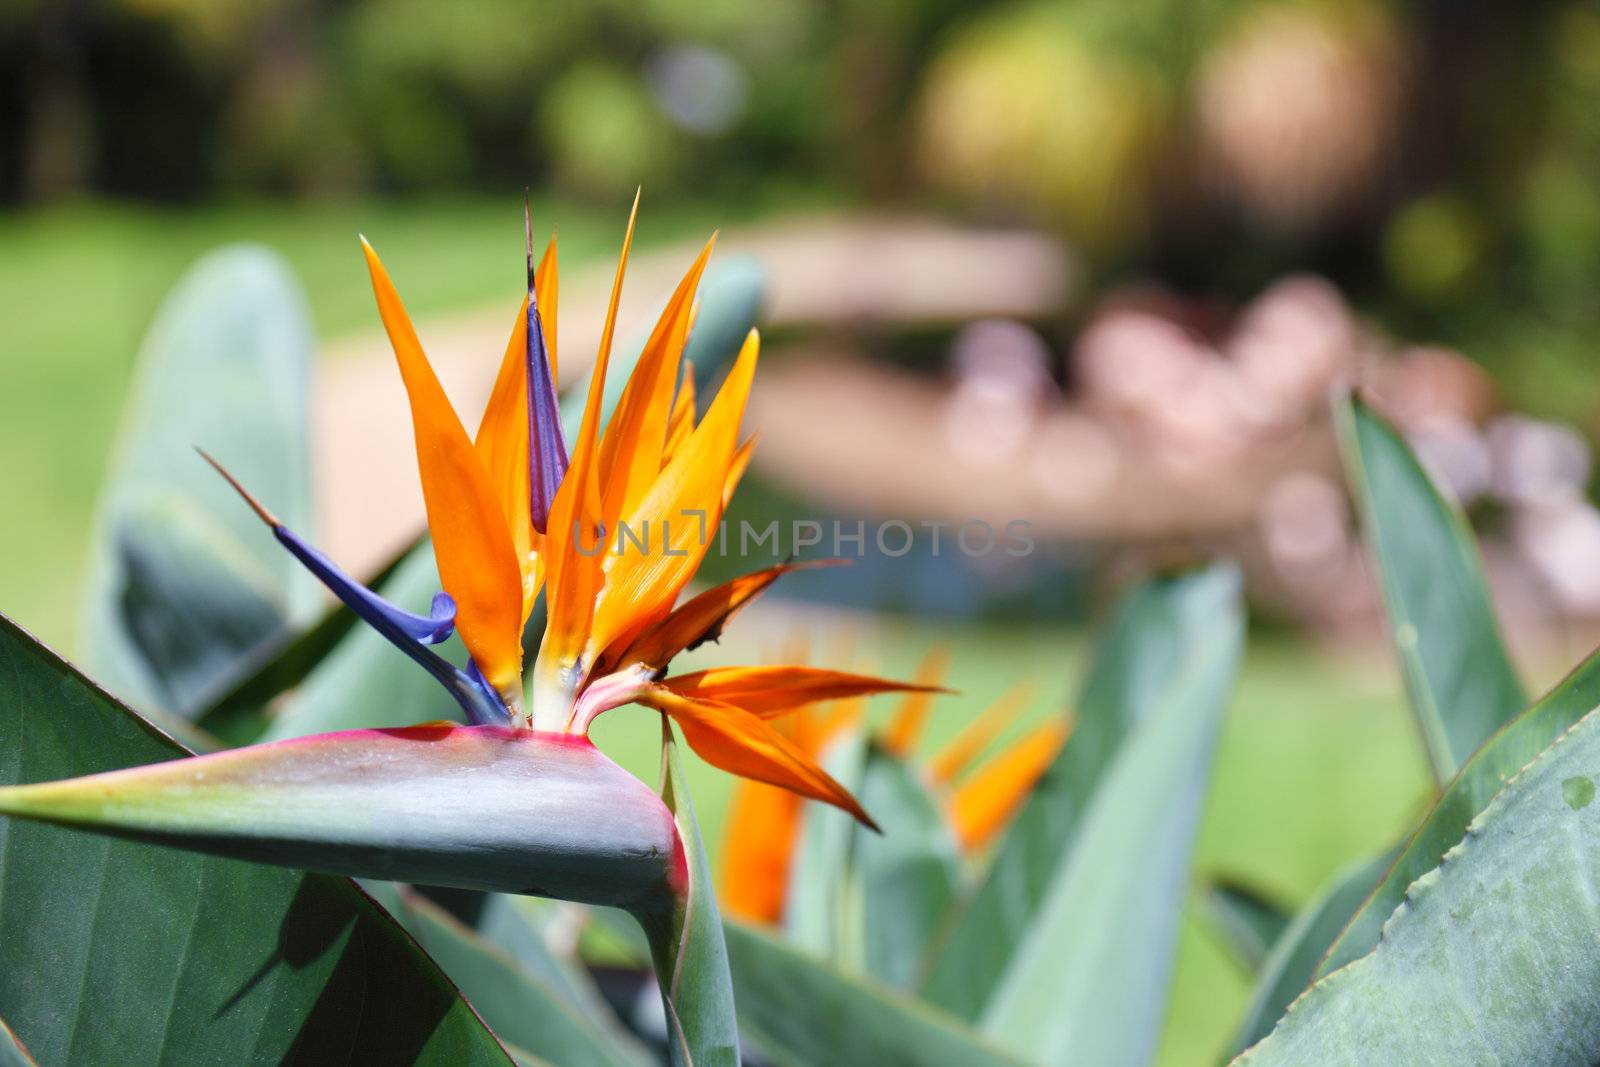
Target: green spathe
point(118, 952)
point(473, 807)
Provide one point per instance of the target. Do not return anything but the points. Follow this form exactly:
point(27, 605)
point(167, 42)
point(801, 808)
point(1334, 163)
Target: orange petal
point(574, 554)
point(905, 730)
point(630, 452)
point(966, 745)
point(737, 741)
point(736, 469)
point(681, 424)
point(986, 802)
point(547, 289)
point(502, 443)
point(502, 439)
point(476, 555)
point(776, 690)
point(702, 619)
point(680, 512)
point(763, 824)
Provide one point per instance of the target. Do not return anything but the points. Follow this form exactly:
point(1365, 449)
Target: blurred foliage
point(1441, 164)
point(601, 127)
point(1023, 110)
point(317, 96)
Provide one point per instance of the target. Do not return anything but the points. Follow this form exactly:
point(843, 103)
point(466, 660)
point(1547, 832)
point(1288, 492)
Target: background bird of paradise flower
point(1453, 206)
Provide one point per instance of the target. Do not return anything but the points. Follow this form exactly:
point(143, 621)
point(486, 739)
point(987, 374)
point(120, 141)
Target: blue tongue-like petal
point(430, 629)
point(409, 632)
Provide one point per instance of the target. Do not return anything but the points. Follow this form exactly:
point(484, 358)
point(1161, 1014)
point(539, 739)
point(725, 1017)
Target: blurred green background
point(1438, 162)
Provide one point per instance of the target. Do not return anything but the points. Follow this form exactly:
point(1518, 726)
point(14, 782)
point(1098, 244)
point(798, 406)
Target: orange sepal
point(681, 422)
point(985, 802)
point(630, 450)
point(574, 554)
point(905, 729)
point(757, 850)
point(703, 618)
point(736, 469)
point(776, 690)
point(476, 555)
point(502, 439)
point(976, 735)
point(681, 512)
point(743, 744)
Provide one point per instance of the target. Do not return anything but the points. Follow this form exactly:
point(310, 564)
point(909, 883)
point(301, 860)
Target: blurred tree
point(604, 134)
point(1027, 113)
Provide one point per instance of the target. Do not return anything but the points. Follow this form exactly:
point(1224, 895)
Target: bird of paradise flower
point(765, 823)
point(516, 510)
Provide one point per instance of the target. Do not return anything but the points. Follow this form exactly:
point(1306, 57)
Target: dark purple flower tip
point(547, 443)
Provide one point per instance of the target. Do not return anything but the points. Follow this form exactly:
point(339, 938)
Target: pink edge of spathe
point(678, 868)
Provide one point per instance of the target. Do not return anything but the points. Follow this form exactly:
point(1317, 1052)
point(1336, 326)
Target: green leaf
point(525, 1058)
point(1248, 923)
point(522, 1007)
point(613, 937)
point(907, 874)
point(686, 941)
point(523, 927)
point(118, 952)
point(819, 897)
point(1350, 916)
point(1484, 775)
point(183, 583)
point(1158, 630)
point(1293, 960)
point(805, 1013)
point(1460, 680)
point(482, 807)
point(1089, 982)
point(1494, 956)
point(730, 297)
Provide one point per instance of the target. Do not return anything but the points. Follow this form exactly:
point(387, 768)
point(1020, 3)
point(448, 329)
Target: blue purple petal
point(409, 632)
point(430, 629)
point(547, 444)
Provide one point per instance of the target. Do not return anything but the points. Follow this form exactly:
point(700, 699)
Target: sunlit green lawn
point(1318, 765)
